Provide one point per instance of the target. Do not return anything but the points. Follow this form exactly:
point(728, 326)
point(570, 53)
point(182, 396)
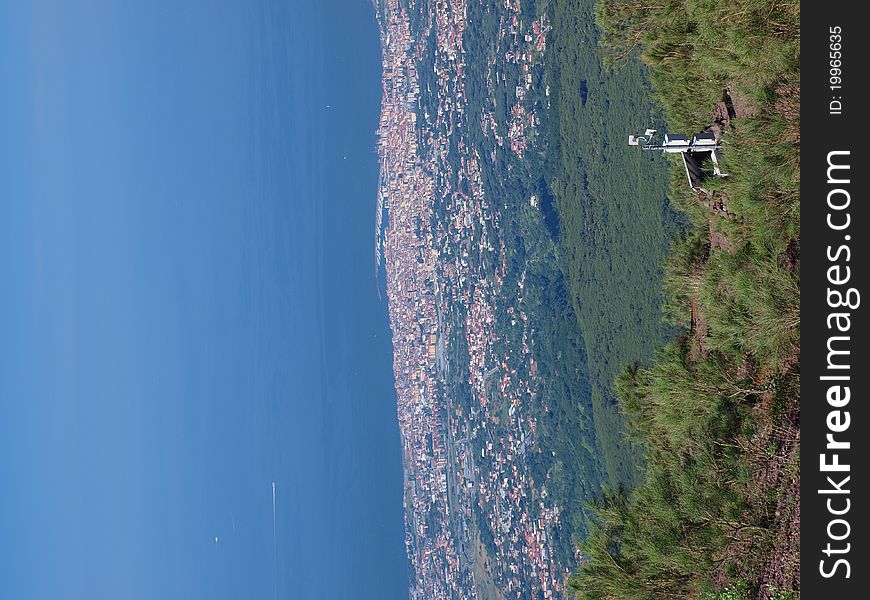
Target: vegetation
point(593, 264)
point(567, 459)
point(717, 412)
point(616, 222)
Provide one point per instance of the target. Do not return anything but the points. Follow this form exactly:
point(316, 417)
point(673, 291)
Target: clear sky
point(188, 307)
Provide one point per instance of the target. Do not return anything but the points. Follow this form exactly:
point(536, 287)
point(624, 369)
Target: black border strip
point(829, 255)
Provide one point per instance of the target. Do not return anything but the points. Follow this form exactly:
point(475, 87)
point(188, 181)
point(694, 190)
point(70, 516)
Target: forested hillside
point(716, 515)
point(616, 222)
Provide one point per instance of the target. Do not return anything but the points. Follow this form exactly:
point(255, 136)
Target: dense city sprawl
point(480, 519)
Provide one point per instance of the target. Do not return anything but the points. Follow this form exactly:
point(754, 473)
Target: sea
point(191, 309)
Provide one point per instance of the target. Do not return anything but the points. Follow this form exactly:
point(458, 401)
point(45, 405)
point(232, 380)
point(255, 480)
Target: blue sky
point(189, 308)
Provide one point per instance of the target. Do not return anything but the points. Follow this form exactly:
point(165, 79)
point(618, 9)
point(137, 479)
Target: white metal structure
point(694, 151)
